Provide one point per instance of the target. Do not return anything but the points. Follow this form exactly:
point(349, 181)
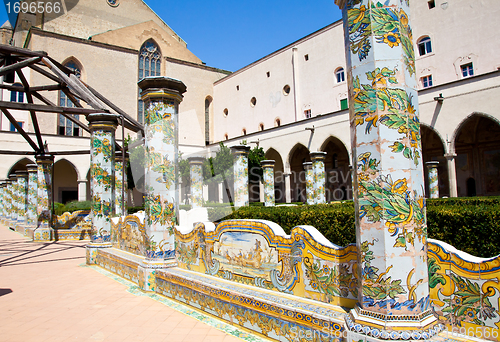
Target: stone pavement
point(48, 294)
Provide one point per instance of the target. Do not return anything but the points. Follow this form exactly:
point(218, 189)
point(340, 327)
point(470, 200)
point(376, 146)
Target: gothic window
point(149, 65)
point(65, 125)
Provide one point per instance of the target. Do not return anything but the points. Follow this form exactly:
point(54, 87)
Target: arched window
point(244, 131)
point(66, 126)
point(17, 96)
point(149, 65)
point(340, 75)
point(208, 101)
point(424, 46)
point(261, 127)
point(277, 122)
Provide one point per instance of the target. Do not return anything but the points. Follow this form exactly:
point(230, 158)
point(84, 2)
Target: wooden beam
point(34, 119)
point(46, 73)
point(138, 126)
point(9, 49)
point(32, 89)
point(74, 83)
point(50, 109)
point(20, 129)
point(19, 153)
point(19, 65)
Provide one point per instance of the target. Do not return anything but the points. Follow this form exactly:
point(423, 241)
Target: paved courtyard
point(48, 294)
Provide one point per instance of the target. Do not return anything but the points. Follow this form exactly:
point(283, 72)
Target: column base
point(146, 272)
point(91, 251)
point(371, 326)
point(29, 231)
point(43, 234)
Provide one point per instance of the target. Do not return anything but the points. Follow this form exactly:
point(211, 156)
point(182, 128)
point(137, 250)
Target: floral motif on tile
point(389, 26)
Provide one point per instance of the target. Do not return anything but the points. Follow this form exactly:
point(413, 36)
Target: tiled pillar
point(15, 199)
point(452, 174)
point(44, 231)
point(8, 200)
point(241, 196)
point(389, 199)
point(309, 182)
point(318, 167)
point(121, 186)
point(31, 213)
point(22, 199)
point(432, 174)
point(3, 187)
point(102, 180)
point(196, 186)
point(268, 172)
point(161, 96)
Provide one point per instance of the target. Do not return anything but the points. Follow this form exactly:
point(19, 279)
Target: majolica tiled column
point(31, 212)
point(309, 182)
point(161, 96)
point(44, 231)
point(102, 178)
point(268, 173)
point(8, 200)
point(241, 196)
point(121, 195)
point(15, 199)
point(432, 174)
point(196, 186)
point(22, 199)
point(388, 184)
point(318, 167)
point(2, 201)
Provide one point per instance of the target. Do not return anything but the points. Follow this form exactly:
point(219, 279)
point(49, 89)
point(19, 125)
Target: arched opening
point(477, 146)
point(433, 150)
point(149, 65)
point(279, 175)
point(208, 102)
point(65, 182)
point(298, 155)
point(338, 177)
point(19, 166)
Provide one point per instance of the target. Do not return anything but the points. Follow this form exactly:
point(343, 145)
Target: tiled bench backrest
point(259, 253)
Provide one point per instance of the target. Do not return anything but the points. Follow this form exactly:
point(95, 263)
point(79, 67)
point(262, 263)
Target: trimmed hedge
point(70, 207)
point(471, 225)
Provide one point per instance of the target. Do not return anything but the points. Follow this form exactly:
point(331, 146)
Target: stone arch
point(476, 143)
point(19, 165)
point(434, 149)
point(337, 166)
point(65, 181)
point(279, 175)
point(298, 155)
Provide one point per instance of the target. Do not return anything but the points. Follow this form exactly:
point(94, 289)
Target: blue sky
point(231, 34)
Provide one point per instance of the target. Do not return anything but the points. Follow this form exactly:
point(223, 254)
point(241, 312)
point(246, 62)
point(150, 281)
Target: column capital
point(31, 168)
point(161, 87)
point(450, 156)
point(318, 155)
point(119, 155)
point(267, 163)
point(240, 149)
point(307, 165)
point(196, 160)
point(431, 164)
point(44, 159)
point(103, 121)
point(21, 173)
point(12, 177)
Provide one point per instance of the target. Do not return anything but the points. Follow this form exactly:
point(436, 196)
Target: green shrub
point(77, 205)
point(471, 225)
point(133, 210)
point(58, 208)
